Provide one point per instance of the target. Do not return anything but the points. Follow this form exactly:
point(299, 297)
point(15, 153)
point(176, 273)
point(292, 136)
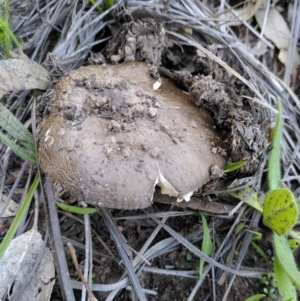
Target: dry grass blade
point(244, 249)
point(56, 244)
point(88, 266)
point(200, 254)
point(123, 251)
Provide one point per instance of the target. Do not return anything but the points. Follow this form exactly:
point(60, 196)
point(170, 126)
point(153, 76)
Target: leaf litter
point(181, 56)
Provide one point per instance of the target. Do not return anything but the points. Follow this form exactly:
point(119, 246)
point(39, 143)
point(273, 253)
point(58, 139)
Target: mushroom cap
point(110, 138)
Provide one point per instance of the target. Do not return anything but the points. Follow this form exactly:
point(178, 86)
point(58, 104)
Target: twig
point(78, 270)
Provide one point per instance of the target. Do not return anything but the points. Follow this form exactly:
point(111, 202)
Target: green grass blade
point(109, 3)
point(99, 9)
point(285, 285)
point(286, 259)
point(17, 220)
point(7, 31)
point(260, 251)
point(18, 131)
point(207, 245)
point(14, 127)
point(76, 209)
point(233, 166)
point(20, 151)
point(274, 173)
point(255, 297)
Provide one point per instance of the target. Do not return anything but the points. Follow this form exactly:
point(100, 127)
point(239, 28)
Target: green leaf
point(76, 209)
point(207, 245)
point(295, 235)
point(280, 211)
point(250, 196)
point(189, 256)
point(256, 236)
point(18, 218)
point(274, 173)
point(255, 297)
point(285, 285)
point(239, 227)
point(233, 166)
point(286, 259)
point(18, 131)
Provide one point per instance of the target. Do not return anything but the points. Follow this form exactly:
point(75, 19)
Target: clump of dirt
point(142, 39)
point(242, 134)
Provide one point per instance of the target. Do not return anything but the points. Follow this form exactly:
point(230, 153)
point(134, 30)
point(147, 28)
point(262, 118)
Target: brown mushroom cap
point(110, 138)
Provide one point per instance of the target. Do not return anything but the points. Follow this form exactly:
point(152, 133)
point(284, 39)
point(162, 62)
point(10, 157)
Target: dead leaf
point(12, 208)
point(277, 31)
point(276, 28)
point(40, 286)
point(16, 266)
point(245, 13)
point(283, 57)
point(260, 48)
point(22, 74)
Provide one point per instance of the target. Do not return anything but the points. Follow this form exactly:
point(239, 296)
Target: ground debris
point(139, 40)
point(242, 134)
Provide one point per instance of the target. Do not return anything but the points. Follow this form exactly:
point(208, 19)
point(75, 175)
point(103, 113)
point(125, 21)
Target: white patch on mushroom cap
point(157, 84)
point(186, 197)
point(165, 186)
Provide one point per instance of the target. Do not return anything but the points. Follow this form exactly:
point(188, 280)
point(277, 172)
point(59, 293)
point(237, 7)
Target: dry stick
point(78, 270)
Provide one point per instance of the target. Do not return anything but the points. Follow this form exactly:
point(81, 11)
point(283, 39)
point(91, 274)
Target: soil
point(136, 232)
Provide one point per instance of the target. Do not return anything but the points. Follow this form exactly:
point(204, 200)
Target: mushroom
point(110, 138)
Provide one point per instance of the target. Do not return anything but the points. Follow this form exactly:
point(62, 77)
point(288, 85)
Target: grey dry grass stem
point(56, 243)
point(123, 251)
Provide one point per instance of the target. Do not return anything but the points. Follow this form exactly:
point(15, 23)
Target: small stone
point(115, 126)
point(126, 152)
point(154, 152)
point(152, 112)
